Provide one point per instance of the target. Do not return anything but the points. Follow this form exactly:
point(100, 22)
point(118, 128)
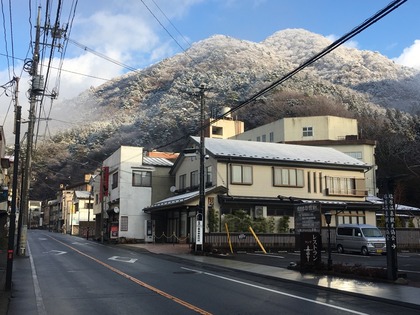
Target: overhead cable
point(376, 17)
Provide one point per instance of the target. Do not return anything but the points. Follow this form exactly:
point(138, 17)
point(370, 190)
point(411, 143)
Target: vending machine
point(149, 231)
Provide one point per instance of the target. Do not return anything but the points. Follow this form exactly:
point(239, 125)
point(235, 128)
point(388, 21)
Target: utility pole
point(36, 89)
point(12, 217)
point(202, 194)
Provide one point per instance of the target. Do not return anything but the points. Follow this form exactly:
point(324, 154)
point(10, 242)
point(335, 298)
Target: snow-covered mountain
point(154, 106)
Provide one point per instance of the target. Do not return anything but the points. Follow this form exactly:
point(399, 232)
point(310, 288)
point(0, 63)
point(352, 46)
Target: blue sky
point(128, 32)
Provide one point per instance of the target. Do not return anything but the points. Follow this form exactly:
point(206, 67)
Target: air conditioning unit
point(259, 211)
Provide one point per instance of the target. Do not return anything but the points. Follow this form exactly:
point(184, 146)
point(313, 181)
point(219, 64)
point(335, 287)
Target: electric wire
point(163, 26)
point(5, 37)
point(370, 21)
point(170, 22)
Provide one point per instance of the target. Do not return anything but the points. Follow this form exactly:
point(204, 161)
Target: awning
point(181, 200)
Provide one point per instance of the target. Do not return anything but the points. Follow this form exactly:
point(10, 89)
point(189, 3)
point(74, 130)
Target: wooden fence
point(407, 239)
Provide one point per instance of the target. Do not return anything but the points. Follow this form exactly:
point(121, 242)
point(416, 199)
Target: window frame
point(234, 178)
point(114, 183)
point(194, 179)
point(308, 131)
point(140, 174)
point(286, 179)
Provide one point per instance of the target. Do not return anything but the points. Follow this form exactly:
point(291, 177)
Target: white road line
point(410, 271)
point(276, 291)
point(266, 255)
point(38, 296)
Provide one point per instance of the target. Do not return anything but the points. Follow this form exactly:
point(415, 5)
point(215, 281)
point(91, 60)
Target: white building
point(123, 187)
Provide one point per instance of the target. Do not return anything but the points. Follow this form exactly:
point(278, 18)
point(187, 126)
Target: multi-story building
point(339, 133)
point(128, 182)
point(66, 220)
point(265, 180)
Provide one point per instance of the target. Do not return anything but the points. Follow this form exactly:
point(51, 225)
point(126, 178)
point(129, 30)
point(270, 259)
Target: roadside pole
point(12, 218)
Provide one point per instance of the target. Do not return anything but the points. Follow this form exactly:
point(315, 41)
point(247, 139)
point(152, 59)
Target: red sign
point(104, 182)
point(114, 231)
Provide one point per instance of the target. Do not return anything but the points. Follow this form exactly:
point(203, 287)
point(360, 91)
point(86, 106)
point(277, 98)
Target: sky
point(105, 34)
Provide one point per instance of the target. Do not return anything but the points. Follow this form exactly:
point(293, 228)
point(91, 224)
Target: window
point(356, 155)
point(124, 223)
point(194, 179)
point(209, 176)
point(346, 186)
point(287, 177)
point(315, 180)
point(259, 139)
point(142, 179)
point(241, 174)
point(217, 131)
point(114, 180)
point(351, 217)
point(264, 138)
point(271, 136)
point(308, 132)
point(182, 181)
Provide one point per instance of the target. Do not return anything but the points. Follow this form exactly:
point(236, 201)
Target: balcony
point(346, 192)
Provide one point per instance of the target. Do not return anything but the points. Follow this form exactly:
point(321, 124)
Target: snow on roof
point(82, 194)
point(398, 207)
point(156, 161)
point(278, 151)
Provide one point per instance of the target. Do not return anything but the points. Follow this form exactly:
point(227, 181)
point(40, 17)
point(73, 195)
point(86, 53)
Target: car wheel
point(365, 251)
point(340, 249)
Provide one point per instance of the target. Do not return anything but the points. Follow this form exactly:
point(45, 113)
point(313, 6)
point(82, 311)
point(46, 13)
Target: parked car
point(363, 238)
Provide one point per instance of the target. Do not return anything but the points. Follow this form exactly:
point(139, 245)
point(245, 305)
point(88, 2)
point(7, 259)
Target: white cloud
point(410, 56)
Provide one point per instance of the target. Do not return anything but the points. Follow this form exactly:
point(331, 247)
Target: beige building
point(265, 180)
point(324, 131)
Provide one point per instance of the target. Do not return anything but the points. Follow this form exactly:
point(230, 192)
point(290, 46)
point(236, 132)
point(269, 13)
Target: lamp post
point(328, 221)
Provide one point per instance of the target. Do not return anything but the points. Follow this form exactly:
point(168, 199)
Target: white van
point(362, 238)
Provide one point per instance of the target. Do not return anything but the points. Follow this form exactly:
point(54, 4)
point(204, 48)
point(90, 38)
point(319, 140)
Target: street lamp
point(328, 221)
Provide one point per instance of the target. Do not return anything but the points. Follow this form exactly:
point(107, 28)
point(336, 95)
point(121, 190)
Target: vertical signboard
point(310, 249)
point(199, 231)
point(390, 237)
point(308, 237)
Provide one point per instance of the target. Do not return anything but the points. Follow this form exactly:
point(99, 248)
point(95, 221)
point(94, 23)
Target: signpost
point(199, 231)
point(390, 237)
point(308, 227)
point(307, 218)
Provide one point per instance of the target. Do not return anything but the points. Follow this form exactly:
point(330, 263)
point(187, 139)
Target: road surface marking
point(139, 282)
point(55, 252)
point(274, 291)
point(38, 296)
point(123, 259)
point(266, 255)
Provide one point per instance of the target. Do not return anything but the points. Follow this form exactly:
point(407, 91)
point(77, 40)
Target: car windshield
point(372, 232)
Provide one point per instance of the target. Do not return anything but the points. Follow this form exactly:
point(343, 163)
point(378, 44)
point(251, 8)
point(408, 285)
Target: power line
point(118, 63)
point(370, 21)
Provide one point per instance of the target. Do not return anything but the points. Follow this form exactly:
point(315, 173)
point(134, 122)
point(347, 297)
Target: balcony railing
point(346, 192)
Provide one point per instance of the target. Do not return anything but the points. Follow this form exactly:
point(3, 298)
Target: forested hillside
point(154, 106)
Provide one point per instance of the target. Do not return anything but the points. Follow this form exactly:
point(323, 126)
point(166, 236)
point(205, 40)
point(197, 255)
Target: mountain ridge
point(156, 105)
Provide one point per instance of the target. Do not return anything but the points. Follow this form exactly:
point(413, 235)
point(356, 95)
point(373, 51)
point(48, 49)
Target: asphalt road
point(408, 263)
point(75, 276)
